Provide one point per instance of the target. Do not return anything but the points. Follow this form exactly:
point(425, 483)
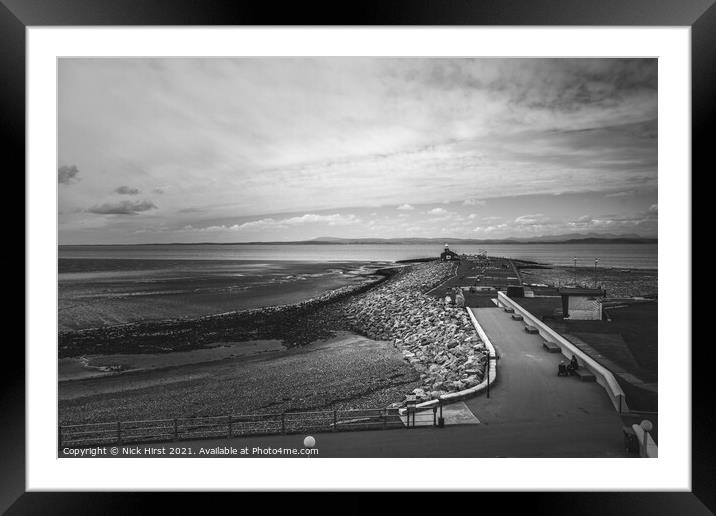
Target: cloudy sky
point(230, 150)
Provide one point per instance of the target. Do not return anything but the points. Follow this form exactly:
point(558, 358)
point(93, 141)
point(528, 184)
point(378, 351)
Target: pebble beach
point(354, 347)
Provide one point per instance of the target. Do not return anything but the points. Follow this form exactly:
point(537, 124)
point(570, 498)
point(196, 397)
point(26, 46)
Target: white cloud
point(473, 202)
point(270, 223)
point(531, 220)
point(332, 220)
point(405, 207)
point(438, 211)
point(620, 194)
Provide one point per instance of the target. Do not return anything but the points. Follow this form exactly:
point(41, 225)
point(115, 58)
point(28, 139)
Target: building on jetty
point(448, 255)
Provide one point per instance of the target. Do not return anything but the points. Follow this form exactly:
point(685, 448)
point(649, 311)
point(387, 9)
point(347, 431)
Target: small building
point(448, 255)
point(582, 303)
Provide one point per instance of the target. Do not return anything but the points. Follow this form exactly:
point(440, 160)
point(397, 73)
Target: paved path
point(453, 414)
point(508, 440)
point(529, 393)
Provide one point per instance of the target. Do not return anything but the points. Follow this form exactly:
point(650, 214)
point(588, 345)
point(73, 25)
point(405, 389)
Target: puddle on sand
point(92, 366)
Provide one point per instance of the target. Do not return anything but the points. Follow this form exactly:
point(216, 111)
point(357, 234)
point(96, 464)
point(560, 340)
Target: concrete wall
point(604, 377)
point(651, 451)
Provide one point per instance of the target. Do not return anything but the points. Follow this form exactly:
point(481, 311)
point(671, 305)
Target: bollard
point(435, 415)
point(335, 420)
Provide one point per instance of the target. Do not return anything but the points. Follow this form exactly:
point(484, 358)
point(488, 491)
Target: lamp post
point(646, 426)
point(575, 270)
point(411, 409)
point(596, 261)
point(489, 359)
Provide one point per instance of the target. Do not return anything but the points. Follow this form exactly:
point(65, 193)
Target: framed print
point(434, 240)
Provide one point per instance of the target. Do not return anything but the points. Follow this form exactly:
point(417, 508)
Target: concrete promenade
point(529, 394)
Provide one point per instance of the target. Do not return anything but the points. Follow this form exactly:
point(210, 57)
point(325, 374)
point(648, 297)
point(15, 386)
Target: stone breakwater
point(436, 338)
point(296, 324)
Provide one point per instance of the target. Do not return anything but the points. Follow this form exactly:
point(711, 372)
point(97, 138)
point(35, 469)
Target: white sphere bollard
point(309, 442)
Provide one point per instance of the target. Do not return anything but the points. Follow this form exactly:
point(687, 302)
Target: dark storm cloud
point(126, 190)
point(552, 84)
point(122, 208)
point(67, 174)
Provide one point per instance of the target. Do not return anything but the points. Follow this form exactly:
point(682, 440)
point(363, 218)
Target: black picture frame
point(700, 15)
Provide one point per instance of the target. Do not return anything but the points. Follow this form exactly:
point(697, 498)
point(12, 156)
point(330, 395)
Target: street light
point(489, 359)
point(575, 270)
point(411, 408)
point(596, 261)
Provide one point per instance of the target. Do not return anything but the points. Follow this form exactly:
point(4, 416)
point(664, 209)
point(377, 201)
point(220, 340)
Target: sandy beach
point(346, 371)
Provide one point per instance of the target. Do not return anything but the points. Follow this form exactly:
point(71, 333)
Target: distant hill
point(573, 238)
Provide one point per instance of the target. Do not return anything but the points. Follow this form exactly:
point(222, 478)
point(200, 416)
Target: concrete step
point(517, 317)
point(531, 329)
point(585, 375)
point(551, 346)
point(509, 310)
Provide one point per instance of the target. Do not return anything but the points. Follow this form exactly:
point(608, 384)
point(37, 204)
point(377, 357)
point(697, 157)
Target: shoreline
point(283, 322)
point(379, 344)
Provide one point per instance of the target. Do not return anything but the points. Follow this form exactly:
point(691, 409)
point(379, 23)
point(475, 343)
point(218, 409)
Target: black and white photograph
point(367, 257)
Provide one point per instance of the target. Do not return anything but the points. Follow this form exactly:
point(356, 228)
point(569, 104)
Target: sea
point(118, 284)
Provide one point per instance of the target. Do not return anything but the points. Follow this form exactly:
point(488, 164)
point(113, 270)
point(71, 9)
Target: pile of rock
point(438, 339)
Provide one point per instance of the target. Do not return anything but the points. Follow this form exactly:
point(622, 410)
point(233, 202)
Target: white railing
point(604, 377)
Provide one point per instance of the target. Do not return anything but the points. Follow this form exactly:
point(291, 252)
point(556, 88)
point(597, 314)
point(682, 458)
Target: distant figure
point(562, 369)
point(573, 365)
point(460, 298)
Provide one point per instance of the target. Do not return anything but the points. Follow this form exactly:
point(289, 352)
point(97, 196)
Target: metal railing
point(226, 426)
point(429, 416)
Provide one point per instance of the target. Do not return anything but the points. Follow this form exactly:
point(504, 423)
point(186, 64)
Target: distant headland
point(573, 238)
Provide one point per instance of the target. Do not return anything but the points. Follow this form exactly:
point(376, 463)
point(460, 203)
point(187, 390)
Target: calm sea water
point(642, 256)
point(106, 285)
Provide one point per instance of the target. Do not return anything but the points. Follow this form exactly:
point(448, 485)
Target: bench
point(551, 346)
point(531, 329)
point(584, 375)
point(517, 317)
point(509, 310)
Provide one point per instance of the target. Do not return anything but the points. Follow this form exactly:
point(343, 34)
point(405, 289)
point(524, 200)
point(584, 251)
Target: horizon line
point(326, 241)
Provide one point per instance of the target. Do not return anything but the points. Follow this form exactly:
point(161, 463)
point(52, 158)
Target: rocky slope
point(437, 338)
